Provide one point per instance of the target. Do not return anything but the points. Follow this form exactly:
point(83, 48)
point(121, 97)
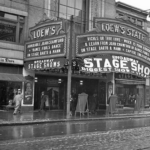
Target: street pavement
point(68, 128)
point(34, 117)
point(52, 131)
point(126, 139)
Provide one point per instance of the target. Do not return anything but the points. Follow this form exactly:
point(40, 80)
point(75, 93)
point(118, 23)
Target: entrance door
point(37, 95)
point(102, 95)
point(53, 94)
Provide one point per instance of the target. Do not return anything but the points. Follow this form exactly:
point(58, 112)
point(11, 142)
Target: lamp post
point(69, 70)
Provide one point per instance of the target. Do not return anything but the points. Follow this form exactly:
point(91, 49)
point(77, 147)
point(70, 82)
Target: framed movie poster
point(28, 93)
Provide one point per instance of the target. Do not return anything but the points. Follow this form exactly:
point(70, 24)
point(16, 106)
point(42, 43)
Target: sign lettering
point(102, 43)
point(110, 63)
point(45, 64)
point(50, 48)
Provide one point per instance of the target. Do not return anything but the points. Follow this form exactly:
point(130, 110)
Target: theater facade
point(122, 52)
point(109, 55)
point(113, 58)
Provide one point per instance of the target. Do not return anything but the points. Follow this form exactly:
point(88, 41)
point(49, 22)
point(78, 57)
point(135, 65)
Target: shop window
point(7, 92)
point(11, 27)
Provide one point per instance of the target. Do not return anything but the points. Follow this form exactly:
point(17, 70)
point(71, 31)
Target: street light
point(59, 81)
point(81, 82)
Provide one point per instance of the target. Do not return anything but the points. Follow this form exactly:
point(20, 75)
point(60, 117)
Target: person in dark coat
point(43, 100)
point(73, 102)
point(112, 104)
point(137, 104)
point(92, 103)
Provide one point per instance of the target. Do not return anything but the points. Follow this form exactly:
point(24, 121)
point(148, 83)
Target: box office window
point(11, 27)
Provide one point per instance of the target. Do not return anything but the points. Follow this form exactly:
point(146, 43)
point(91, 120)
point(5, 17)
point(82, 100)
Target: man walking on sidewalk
point(17, 100)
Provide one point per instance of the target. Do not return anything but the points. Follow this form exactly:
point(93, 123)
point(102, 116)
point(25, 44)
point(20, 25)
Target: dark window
point(77, 8)
point(7, 32)
point(11, 69)
point(11, 27)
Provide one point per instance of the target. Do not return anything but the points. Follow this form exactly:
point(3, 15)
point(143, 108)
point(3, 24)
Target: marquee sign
point(47, 40)
point(45, 64)
point(47, 27)
point(103, 44)
point(115, 63)
point(47, 48)
point(112, 37)
point(111, 26)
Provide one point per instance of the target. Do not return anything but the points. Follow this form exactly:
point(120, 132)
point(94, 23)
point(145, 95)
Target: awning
point(11, 77)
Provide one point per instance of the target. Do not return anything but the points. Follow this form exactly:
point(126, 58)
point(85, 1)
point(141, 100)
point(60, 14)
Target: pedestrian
point(112, 104)
point(43, 100)
point(73, 102)
point(17, 100)
point(137, 103)
point(92, 103)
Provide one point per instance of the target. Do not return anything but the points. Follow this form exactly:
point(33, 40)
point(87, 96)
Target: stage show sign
point(115, 63)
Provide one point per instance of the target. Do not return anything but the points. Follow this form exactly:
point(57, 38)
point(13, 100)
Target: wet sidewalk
point(53, 116)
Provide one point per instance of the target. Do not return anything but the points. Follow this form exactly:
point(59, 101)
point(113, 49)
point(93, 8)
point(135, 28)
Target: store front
point(11, 79)
point(45, 57)
point(127, 89)
point(55, 86)
point(115, 56)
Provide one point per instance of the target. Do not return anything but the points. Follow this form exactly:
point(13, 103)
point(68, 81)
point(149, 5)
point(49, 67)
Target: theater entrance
point(55, 91)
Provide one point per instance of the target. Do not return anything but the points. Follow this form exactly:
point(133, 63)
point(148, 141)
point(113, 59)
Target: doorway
point(55, 91)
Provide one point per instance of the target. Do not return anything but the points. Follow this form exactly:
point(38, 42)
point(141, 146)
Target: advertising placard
point(28, 94)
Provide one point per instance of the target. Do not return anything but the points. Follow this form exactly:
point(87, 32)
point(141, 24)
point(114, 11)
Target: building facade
point(13, 23)
point(112, 39)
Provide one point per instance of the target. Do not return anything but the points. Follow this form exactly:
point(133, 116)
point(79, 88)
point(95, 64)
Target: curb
point(32, 122)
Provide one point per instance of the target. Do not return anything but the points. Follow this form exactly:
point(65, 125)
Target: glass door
point(53, 94)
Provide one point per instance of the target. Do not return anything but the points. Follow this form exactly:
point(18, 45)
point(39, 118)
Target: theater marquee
point(114, 37)
point(47, 40)
point(47, 48)
point(42, 64)
point(115, 63)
